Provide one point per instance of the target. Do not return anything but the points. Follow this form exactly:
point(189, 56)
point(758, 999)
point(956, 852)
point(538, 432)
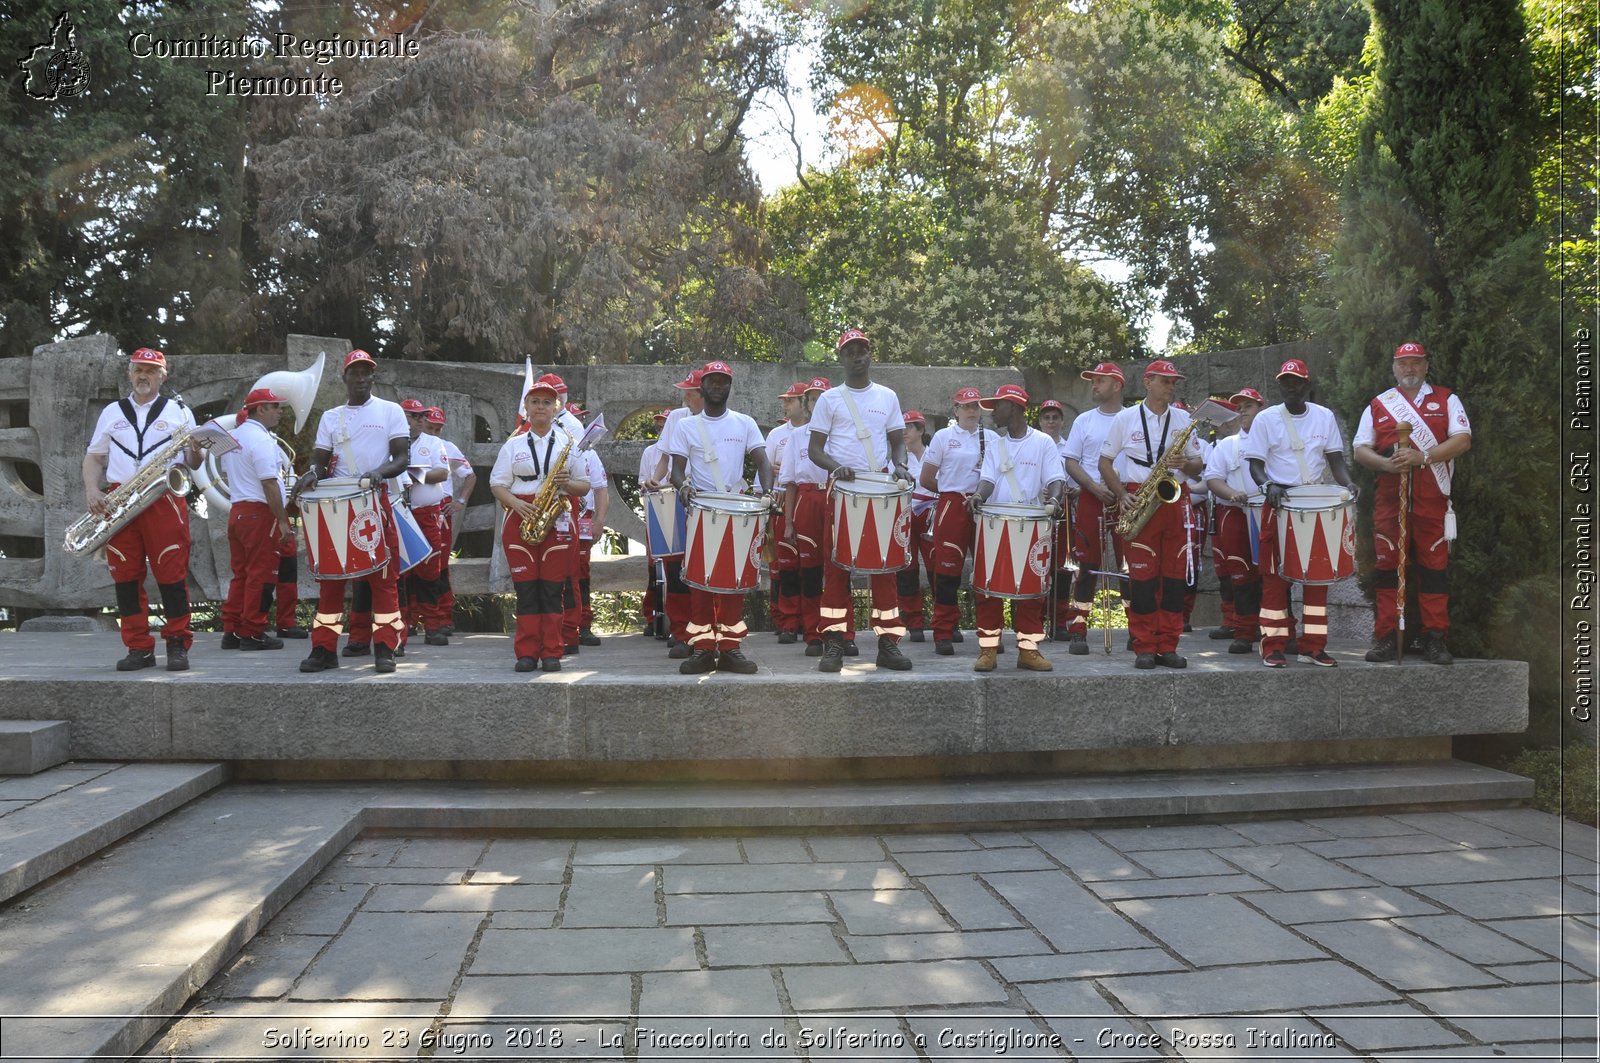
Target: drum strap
point(1297, 445)
point(711, 455)
point(1008, 469)
point(869, 443)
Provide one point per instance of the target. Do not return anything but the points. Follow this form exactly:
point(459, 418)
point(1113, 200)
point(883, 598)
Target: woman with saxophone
point(532, 480)
point(134, 434)
point(1145, 445)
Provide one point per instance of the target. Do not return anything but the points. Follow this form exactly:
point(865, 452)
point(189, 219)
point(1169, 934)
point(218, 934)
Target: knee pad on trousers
point(527, 597)
point(946, 590)
point(551, 594)
point(1433, 580)
point(288, 571)
point(269, 591)
point(1387, 578)
point(1142, 596)
point(906, 582)
point(675, 584)
point(1247, 598)
point(1225, 588)
point(789, 583)
point(811, 583)
point(1172, 592)
point(128, 598)
point(361, 596)
point(174, 599)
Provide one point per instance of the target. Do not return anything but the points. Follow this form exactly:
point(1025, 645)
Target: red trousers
point(838, 612)
point(425, 583)
point(954, 531)
point(1429, 560)
point(1027, 620)
point(1277, 627)
point(787, 614)
point(1088, 550)
point(716, 621)
point(811, 533)
point(908, 582)
point(378, 620)
point(539, 573)
point(1158, 559)
point(1231, 549)
point(161, 535)
point(253, 551)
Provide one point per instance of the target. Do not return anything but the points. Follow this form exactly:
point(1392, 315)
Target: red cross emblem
point(365, 529)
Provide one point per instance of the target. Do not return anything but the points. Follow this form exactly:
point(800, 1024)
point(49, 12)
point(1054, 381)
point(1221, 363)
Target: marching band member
point(858, 427)
point(1440, 434)
point(1022, 466)
point(908, 584)
point(1134, 450)
point(1052, 420)
point(805, 521)
point(1233, 548)
point(653, 607)
point(258, 525)
point(130, 433)
point(1096, 517)
point(677, 591)
point(577, 625)
point(950, 469)
point(530, 465)
point(1292, 443)
point(785, 598)
point(366, 438)
point(708, 454)
point(462, 482)
point(426, 583)
point(1199, 525)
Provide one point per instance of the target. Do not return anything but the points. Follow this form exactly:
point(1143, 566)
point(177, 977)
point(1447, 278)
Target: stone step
point(96, 960)
point(28, 747)
point(82, 809)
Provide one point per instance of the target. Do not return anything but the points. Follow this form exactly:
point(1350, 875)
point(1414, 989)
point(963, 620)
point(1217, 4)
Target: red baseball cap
point(966, 395)
point(719, 367)
point(261, 397)
point(1103, 369)
point(434, 415)
point(1162, 368)
point(915, 416)
point(1410, 350)
point(358, 355)
point(797, 390)
point(661, 416)
point(1051, 404)
point(1008, 393)
point(148, 356)
point(818, 383)
point(851, 335)
point(1179, 404)
point(555, 382)
point(576, 410)
point(690, 382)
point(1294, 367)
point(542, 384)
point(1226, 404)
point(412, 406)
point(1247, 393)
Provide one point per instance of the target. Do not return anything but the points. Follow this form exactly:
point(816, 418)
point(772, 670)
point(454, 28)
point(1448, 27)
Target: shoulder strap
point(869, 443)
point(1296, 444)
point(711, 454)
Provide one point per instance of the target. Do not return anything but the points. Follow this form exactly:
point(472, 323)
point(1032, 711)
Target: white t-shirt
point(358, 436)
point(921, 500)
point(1126, 445)
point(460, 467)
point(778, 441)
point(525, 460)
point(426, 454)
point(798, 468)
point(1269, 441)
point(649, 461)
point(880, 412)
point(1457, 413)
point(594, 471)
point(1226, 463)
point(1035, 464)
point(119, 441)
point(731, 437)
point(1084, 440)
point(258, 458)
point(663, 471)
point(955, 451)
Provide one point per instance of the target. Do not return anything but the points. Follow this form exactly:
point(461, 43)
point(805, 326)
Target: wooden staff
point(1404, 443)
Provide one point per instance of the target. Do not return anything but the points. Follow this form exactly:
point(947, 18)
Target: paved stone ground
point(1434, 935)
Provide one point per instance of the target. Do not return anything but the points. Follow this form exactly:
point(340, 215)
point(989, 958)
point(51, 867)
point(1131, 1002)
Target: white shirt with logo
point(1226, 463)
point(1035, 464)
point(956, 453)
point(358, 436)
point(1085, 438)
point(1269, 442)
point(117, 440)
point(880, 414)
point(427, 454)
point(258, 458)
point(731, 437)
point(1132, 454)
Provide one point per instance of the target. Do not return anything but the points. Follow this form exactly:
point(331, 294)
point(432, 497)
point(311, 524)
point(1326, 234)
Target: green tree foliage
point(1562, 39)
point(538, 184)
point(1441, 245)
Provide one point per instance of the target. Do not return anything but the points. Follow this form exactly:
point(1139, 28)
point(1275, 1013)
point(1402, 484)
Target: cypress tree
point(1441, 246)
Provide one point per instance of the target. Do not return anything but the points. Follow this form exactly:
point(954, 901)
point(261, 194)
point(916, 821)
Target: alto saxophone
point(548, 503)
point(92, 531)
point(1160, 488)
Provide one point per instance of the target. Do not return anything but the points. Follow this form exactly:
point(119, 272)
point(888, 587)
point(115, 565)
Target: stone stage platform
point(622, 712)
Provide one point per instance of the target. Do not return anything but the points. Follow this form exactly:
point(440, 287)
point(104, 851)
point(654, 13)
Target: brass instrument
point(548, 503)
point(158, 476)
point(1160, 488)
point(299, 389)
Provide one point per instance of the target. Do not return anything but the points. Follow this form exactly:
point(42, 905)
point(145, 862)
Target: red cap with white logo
point(412, 406)
point(819, 383)
point(1294, 367)
point(261, 397)
point(915, 417)
point(1007, 393)
point(1162, 368)
point(851, 335)
point(148, 356)
point(1051, 404)
point(434, 415)
point(722, 368)
point(1247, 393)
point(1111, 369)
point(1410, 350)
point(690, 382)
point(966, 395)
point(358, 355)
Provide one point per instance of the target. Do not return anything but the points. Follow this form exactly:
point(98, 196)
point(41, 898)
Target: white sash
point(711, 456)
point(868, 439)
point(1421, 434)
point(1008, 468)
point(1296, 444)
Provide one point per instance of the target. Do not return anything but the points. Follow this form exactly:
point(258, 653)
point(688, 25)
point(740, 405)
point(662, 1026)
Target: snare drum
point(343, 524)
point(1253, 506)
point(414, 545)
point(724, 536)
point(665, 523)
point(1011, 558)
point(1316, 535)
point(872, 524)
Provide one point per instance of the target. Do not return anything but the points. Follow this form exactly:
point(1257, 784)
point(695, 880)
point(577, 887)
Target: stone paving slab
point(28, 747)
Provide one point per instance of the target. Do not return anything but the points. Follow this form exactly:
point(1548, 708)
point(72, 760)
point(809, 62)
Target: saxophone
point(91, 531)
point(548, 503)
point(1160, 488)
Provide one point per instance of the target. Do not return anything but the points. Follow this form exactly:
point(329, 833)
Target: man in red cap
point(1292, 444)
point(1022, 468)
point(428, 493)
point(130, 434)
point(461, 484)
point(805, 516)
point(950, 470)
point(1095, 516)
point(1052, 420)
point(1234, 549)
point(709, 451)
point(257, 522)
point(366, 439)
point(858, 428)
point(784, 596)
point(1137, 448)
point(677, 592)
point(908, 583)
point(1440, 433)
point(653, 608)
